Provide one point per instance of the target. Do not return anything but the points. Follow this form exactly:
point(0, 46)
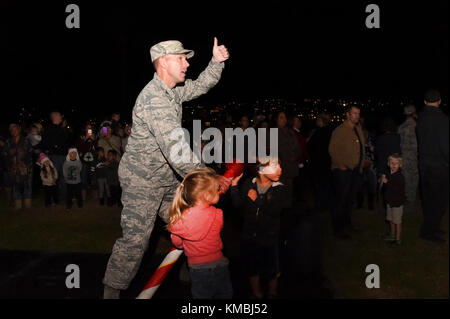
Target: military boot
point(111, 293)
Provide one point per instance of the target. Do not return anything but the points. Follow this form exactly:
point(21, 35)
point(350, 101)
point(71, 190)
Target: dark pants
point(87, 178)
point(103, 189)
point(51, 192)
point(262, 260)
point(300, 185)
point(74, 189)
point(116, 193)
point(434, 183)
point(288, 183)
point(367, 184)
point(321, 179)
point(211, 283)
point(84, 176)
point(345, 184)
point(301, 259)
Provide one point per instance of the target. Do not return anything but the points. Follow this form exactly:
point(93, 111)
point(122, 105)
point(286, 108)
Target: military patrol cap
point(169, 47)
point(409, 109)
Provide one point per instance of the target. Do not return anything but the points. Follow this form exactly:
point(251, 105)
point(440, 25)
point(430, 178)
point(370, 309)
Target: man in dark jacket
point(321, 161)
point(55, 143)
point(433, 139)
point(86, 146)
point(289, 153)
point(386, 144)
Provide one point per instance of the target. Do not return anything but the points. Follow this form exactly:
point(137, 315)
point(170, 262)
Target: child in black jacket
point(395, 197)
point(262, 199)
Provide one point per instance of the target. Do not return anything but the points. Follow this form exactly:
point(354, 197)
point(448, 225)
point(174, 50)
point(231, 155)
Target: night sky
point(317, 49)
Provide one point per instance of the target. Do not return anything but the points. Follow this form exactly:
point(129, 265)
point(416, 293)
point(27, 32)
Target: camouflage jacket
point(156, 114)
point(18, 159)
point(408, 140)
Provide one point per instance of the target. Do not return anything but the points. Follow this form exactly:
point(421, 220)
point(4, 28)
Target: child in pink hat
point(49, 176)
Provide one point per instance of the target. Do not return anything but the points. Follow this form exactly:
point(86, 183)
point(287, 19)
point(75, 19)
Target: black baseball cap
point(432, 96)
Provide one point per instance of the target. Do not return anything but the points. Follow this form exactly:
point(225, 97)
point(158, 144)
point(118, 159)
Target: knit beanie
point(70, 151)
point(42, 158)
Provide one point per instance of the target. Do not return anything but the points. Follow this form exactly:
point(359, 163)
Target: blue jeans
point(211, 283)
point(22, 190)
point(103, 188)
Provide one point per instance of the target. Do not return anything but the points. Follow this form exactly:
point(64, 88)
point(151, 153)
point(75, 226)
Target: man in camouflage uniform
point(408, 144)
point(147, 173)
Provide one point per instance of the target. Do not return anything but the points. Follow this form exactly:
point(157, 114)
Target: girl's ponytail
point(179, 204)
point(194, 185)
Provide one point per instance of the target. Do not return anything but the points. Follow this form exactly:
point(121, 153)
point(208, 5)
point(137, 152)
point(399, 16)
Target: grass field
point(92, 229)
point(417, 269)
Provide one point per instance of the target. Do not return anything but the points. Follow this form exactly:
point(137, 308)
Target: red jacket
point(198, 234)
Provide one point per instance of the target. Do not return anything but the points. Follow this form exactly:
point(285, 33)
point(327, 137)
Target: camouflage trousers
point(141, 205)
point(411, 184)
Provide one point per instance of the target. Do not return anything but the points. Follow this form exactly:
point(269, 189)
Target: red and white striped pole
point(160, 273)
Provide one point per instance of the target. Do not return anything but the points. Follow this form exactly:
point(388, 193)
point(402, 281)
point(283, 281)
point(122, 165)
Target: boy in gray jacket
point(72, 176)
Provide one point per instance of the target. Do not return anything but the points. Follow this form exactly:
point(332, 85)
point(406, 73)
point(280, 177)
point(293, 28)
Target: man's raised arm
point(208, 78)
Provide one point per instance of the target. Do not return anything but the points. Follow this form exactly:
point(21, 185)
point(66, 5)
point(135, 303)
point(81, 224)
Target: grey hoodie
point(72, 170)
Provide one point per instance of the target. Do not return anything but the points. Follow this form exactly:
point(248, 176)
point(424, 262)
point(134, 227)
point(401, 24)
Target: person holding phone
point(109, 141)
point(55, 143)
point(86, 145)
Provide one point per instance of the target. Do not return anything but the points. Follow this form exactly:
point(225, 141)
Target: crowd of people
point(346, 166)
point(63, 165)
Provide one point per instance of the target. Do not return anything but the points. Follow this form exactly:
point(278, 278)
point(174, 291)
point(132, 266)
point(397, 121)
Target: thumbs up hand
point(220, 52)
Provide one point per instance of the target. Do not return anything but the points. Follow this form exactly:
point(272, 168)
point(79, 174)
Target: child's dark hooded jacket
point(262, 216)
